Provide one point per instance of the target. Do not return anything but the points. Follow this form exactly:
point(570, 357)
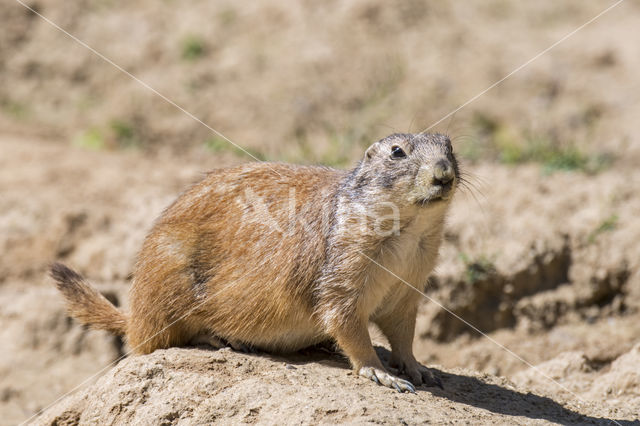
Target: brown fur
point(277, 257)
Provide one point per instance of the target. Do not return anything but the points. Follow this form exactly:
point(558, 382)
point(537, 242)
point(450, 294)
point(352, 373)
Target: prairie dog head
point(411, 169)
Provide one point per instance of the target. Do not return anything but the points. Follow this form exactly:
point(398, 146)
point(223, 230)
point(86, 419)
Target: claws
point(383, 378)
point(429, 379)
point(439, 383)
point(417, 373)
point(408, 387)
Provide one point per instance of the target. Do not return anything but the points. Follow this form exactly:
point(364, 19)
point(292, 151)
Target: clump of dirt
point(617, 382)
point(540, 295)
point(488, 299)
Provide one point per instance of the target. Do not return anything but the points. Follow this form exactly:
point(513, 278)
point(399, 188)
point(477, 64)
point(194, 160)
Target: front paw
point(383, 378)
point(417, 373)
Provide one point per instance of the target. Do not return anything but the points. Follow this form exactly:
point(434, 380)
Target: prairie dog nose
point(443, 171)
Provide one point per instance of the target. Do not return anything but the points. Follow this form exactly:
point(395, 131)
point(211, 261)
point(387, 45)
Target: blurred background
point(541, 247)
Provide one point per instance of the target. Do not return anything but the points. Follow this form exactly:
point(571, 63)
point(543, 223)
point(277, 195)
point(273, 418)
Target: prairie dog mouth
point(438, 191)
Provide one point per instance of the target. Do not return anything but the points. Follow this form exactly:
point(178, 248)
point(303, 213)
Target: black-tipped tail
point(85, 303)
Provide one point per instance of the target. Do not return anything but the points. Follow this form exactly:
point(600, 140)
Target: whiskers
point(472, 184)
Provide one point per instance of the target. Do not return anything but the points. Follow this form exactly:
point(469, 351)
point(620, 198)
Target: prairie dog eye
point(397, 152)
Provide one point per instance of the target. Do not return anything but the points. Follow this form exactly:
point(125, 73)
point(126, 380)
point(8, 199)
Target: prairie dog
point(279, 257)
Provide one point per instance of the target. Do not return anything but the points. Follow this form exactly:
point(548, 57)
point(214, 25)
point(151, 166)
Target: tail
point(86, 304)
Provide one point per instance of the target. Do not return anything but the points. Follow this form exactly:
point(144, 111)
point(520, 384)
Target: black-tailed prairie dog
point(279, 257)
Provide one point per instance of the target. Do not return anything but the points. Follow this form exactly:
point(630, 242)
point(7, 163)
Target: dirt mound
point(187, 386)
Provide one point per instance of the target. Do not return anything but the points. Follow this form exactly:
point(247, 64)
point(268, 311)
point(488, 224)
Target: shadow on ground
point(471, 391)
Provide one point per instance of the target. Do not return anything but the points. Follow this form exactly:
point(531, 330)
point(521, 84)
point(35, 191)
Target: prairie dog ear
point(371, 151)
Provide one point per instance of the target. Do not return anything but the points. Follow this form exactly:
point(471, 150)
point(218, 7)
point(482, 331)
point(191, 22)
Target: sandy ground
point(541, 249)
point(198, 386)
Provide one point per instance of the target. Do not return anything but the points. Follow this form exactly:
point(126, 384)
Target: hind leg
point(218, 343)
point(144, 339)
point(207, 339)
point(155, 324)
